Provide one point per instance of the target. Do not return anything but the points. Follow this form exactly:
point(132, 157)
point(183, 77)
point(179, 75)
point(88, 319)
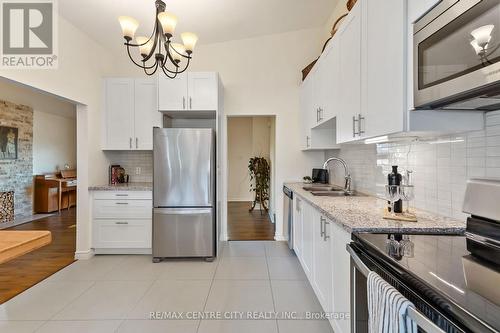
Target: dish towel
point(387, 308)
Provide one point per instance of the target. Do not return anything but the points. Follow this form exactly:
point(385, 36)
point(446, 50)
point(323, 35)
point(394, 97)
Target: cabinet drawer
point(123, 209)
point(125, 195)
point(123, 233)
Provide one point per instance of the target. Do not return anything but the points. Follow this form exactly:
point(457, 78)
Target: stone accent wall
point(17, 175)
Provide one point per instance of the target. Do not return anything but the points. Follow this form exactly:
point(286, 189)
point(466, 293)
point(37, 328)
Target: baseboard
point(84, 255)
point(280, 238)
point(123, 251)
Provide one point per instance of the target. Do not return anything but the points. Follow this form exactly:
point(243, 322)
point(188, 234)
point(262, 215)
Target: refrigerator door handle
point(182, 211)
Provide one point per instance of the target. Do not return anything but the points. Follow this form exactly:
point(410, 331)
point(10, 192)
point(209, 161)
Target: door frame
point(83, 230)
point(225, 168)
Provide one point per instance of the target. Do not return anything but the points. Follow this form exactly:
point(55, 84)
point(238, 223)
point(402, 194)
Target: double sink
point(326, 190)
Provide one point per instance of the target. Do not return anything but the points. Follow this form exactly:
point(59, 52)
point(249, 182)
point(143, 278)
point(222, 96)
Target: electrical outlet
point(138, 170)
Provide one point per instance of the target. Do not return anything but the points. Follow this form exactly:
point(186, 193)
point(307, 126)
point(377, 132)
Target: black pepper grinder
point(394, 178)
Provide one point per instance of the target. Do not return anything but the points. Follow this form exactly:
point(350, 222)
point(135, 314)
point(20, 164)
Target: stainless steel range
point(453, 281)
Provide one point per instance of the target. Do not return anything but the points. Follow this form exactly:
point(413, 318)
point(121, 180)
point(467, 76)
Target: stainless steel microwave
point(457, 56)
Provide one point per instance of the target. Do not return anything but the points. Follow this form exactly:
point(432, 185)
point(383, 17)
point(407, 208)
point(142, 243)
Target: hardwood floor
point(21, 273)
point(245, 225)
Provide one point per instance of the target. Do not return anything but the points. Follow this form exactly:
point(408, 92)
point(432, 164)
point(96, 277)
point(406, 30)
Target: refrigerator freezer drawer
point(183, 232)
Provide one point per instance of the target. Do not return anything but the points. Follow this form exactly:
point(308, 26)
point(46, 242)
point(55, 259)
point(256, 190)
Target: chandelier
point(158, 51)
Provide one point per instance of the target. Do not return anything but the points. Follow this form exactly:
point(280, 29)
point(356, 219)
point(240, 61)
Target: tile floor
point(117, 294)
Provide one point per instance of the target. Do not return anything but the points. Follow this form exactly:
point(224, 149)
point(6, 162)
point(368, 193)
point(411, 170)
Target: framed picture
point(8, 143)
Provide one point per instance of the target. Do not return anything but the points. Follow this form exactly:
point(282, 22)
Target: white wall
point(54, 142)
point(82, 64)
point(262, 76)
point(239, 149)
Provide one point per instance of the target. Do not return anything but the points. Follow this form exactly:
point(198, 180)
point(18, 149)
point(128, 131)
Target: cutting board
point(15, 243)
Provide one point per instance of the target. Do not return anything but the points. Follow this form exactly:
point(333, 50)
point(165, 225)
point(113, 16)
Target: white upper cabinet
point(349, 103)
point(306, 112)
point(196, 91)
point(316, 109)
point(202, 91)
point(328, 82)
point(119, 114)
point(383, 71)
point(362, 85)
point(146, 115)
point(172, 93)
point(130, 114)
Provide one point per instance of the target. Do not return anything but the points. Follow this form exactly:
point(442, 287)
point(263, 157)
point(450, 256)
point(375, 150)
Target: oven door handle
point(422, 321)
point(360, 265)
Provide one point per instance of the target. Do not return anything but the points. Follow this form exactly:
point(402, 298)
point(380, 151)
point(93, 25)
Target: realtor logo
point(29, 32)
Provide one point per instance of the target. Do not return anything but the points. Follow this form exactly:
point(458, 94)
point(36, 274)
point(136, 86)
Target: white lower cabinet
point(122, 234)
point(322, 267)
point(341, 278)
point(320, 245)
point(307, 239)
point(122, 222)
point(297, 226)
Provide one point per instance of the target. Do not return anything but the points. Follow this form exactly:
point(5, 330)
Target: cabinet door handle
point(121, 195)
point(190, 103)
point(317, 115)
point(130, 143)
point(321, 224)
point(121, 222)
point(122, 203)
point(354, 121)
point(307, 141)
point(360, 118)
point(136, 143)
point(325, 236)
point(183, 103)
point(320, 112)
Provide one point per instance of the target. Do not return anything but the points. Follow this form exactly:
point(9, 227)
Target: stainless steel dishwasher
point(288, 214)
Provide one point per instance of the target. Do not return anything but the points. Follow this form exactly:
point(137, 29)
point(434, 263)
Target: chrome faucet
point(348, 179)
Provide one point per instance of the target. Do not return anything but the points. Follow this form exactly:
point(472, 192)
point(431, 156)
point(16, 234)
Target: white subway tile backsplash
point(131, 160)
point(493, 130)
point(493, 119)
point(440, 171)
point(493, 172)
point(493, 141)
point(493, 151)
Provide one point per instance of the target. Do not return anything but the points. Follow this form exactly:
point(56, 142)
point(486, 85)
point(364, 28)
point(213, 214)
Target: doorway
point(41, 178)
point(250, 204)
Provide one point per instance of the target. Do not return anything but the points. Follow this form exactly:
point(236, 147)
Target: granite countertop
point(364, 214)
point(123, 187)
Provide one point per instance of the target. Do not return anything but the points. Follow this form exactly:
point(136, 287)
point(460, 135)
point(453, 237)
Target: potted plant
point(260, 174)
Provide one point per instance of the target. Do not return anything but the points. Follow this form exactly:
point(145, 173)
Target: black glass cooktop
point(445, 265)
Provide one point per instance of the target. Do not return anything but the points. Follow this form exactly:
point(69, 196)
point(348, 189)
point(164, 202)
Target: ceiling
point(212, 20)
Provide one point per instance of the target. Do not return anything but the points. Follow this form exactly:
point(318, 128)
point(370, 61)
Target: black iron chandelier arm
point(164, 66)
point(154, 71)
point(168, 73)
point(136, 63)
point(173, 48)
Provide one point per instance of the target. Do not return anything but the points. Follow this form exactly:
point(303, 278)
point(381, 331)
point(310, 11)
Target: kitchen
point(356, 105)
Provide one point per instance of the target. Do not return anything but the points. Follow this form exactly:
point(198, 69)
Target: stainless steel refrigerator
point(183, 193)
